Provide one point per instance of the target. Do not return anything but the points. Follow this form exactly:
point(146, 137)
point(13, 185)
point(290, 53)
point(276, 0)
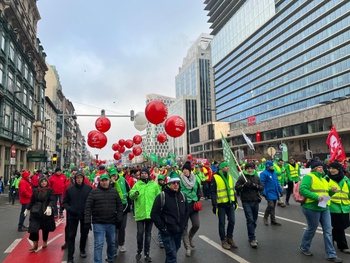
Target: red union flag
point(335, 146)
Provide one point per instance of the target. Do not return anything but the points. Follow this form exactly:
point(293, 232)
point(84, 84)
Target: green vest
point(121, 188)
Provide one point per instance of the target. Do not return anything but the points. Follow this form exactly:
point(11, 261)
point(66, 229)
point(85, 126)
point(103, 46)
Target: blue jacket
point(272, 188)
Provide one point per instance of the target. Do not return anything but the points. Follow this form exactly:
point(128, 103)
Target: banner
point(249, 142)
point(284, 150)
point(228, 157)
point(335, 146)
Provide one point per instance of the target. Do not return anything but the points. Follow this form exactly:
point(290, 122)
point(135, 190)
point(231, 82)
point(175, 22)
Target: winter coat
point(57, 183)
point(143, 202)
point(172, 215)
point(25, 191)
point(272, 189)
point(46, 223)
point(75, 200)
point(104, 206)
point(249, 190)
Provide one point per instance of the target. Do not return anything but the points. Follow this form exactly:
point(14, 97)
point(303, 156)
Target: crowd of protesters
point(170, 197)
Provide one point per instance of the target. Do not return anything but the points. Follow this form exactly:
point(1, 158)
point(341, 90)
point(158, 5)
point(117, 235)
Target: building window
point(10, 83)
point(12, 53)
point(1, 73)
point(19, 63)
point(25, 97)
point(2, 39)
point(30, 103)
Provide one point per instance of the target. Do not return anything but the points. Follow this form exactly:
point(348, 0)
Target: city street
point(276, 244)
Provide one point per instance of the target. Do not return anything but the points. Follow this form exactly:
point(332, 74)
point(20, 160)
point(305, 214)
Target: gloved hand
point(26, 212)
point(48, 211)
point(214, 210)
point(248, 184)
point(235, 205)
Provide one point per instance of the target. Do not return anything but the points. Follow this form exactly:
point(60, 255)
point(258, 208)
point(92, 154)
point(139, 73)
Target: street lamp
point(13, 148)
point(45, 159)
point(211, 132)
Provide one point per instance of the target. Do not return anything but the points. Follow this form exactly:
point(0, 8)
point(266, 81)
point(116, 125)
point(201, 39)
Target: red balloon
point(131, 156)
point(121, 142)
point(103, 124)
point(189, 157)
point(122, 149)
point(104, 161)
point(115, 146)
point(137, 150)
point(97, 140)
point(156, 112)
point(91, 133)
point(137, 139)
point(117, 156)
point(129, 144)
point(175, 126)
point(161, 137)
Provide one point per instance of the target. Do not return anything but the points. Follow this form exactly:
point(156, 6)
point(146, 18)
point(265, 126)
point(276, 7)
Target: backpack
point(296, 194)
point(162, 198)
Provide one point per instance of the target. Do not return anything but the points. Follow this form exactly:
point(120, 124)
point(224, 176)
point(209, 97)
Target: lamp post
point(13, 148)
point(211, 133)
point(45, 159)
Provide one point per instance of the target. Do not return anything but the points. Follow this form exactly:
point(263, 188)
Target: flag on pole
point(153, 157)
point(335, 146)
point(228, 157)
point(249, 142)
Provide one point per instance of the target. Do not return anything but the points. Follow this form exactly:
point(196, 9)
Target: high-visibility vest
point(341, 196)
point(222, 195)
point(294, 170)
point(278, 171)
point(319, 186)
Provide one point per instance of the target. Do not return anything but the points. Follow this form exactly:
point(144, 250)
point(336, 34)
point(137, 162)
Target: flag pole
point(239, 167)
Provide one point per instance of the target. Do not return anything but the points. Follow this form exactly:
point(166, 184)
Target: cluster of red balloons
point(156, 112)
point(122, 144)
point(97, 138)
point(98, 162)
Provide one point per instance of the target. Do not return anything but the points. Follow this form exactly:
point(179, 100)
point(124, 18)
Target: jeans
point(172, 243)
point(144, 228)
point(58, 198)
point(313, 218)
point(100, 231)
point(223, 211)
point(21, 216)
point(251, 210)
point(72, 233)
point(206, 189)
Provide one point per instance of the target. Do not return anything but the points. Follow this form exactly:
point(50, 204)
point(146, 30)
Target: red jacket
point(35, 180)
point(130, 180)
point(25, 191)
point(57, 183)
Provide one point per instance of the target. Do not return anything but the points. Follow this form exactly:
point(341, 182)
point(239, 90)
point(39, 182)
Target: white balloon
point(140, 127)
point(140, 118)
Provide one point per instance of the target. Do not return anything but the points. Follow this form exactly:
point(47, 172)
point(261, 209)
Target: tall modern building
point(194, 94)
point(274, 58)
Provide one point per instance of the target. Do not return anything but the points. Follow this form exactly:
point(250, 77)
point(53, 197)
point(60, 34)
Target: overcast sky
point(111, 53)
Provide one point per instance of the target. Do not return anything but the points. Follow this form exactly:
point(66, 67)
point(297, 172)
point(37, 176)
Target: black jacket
point(104, 206)
point(174, 214)
point(75, 200)
point(248, 191)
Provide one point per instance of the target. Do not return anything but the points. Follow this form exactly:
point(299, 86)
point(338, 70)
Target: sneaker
point(335, 259)
point(305, 252)
point(148, 258)
point(188, 252)
point(254, 243)
point(122, 249)
point(138, 256)
point(83, 254)
point(161, 245)
point(275, 223)
point(346, 251)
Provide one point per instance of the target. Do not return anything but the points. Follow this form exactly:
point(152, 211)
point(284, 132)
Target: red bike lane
point(51, 254)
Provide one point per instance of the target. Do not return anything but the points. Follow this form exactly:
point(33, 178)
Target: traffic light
point(54, 158)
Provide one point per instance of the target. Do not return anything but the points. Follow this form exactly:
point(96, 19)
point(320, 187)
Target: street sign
point(13, 151)
point(271, 151)
point(13, 161)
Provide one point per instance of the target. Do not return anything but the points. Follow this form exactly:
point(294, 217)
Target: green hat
point(112, 170)
point(161, 177)
point(223, 164)
point(104, 176)
point(174, 177)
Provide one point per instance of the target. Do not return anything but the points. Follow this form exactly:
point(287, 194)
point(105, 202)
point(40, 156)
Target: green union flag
point(228, 157)
point(153, 157)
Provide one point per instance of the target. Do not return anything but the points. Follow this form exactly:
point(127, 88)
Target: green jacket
point(288, 175)
point(120, 186)
point(143, 202)
point(304, 189)
point(261, 167)
point(191, 194)
point(16, 182)
point(280, 171)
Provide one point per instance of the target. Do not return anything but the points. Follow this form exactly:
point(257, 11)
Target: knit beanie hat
point(315, 164)
point(336, 165)
point(249, 165)
point(144, 169)
point(187, 166)
point(42, 178)
point(223, 164)
point(174, 177)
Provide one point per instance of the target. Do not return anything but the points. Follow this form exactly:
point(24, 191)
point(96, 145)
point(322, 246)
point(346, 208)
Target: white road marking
point(227, 252)
point(13, 245)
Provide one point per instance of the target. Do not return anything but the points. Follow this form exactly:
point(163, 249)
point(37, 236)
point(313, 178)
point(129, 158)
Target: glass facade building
point(299, 58)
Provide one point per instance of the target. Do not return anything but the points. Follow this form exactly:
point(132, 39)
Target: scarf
point(337, 177)
point(188, 182)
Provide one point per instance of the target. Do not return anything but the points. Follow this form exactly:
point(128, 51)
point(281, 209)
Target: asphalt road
point(276, 243)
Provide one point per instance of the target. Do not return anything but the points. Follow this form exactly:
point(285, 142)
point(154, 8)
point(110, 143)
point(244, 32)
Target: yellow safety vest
point(319, 186)
point(278, 171)
point(294, 170)
point(221, 189)
point(341, 195)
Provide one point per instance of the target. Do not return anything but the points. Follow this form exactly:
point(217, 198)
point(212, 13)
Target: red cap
point(25, 174)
